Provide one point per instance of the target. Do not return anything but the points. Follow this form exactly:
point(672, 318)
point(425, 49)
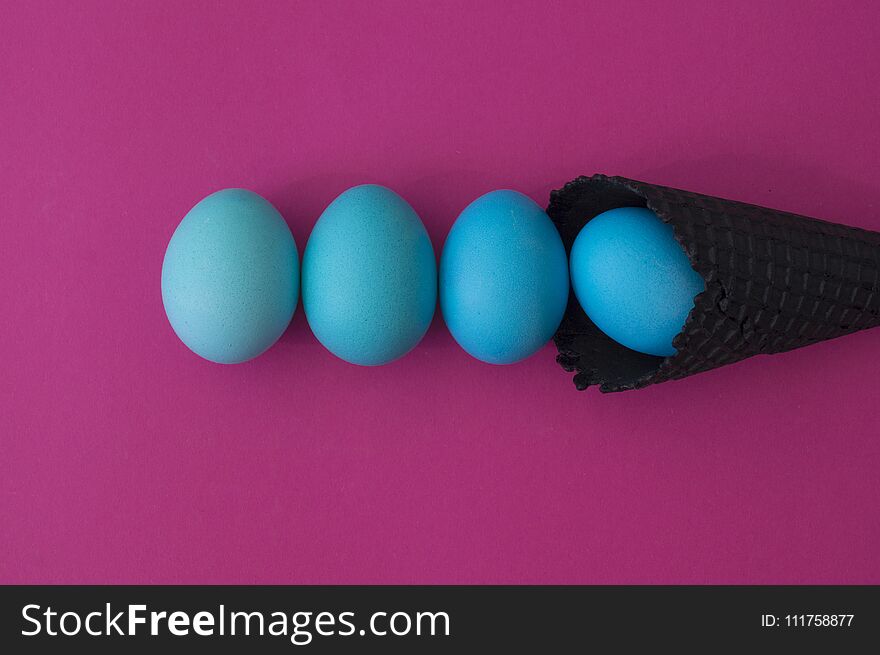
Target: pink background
point(125, 458)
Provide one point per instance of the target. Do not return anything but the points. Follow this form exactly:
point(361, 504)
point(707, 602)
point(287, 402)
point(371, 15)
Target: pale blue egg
point(633, 279)
point(369, 278)
point(503, 278)
point(230, 278)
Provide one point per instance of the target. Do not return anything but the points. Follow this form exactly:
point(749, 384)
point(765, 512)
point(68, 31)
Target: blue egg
point(230, 277)
point(369, 277)
point(503, 278)
point(633, 279)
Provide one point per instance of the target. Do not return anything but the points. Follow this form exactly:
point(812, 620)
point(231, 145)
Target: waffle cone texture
point(774, 282)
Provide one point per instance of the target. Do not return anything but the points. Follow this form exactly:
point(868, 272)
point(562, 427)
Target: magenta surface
point(125, 458)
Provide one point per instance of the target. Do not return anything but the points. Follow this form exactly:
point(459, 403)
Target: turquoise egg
point(369, 278)
point(633, 279)
point(230, 277)
point(503, 278)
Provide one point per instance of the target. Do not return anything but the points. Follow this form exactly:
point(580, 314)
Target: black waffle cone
point(774, 281)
